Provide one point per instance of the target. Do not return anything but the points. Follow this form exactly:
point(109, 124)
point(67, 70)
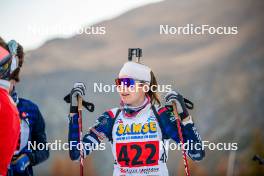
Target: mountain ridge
point(222, 74)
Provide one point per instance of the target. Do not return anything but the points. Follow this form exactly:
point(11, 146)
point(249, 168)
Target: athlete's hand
point(20, 164)
point(78, 90)
point(178, 98)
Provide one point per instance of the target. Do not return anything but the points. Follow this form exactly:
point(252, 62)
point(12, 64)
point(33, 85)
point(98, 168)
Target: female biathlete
point(138, 127)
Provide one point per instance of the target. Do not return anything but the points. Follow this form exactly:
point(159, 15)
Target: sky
point(33, 22)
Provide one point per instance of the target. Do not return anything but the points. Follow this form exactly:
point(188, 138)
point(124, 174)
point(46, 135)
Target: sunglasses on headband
point(128, 82)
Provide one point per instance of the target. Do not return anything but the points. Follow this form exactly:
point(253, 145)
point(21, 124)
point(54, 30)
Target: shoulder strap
point(117, 114)
point(113, 122)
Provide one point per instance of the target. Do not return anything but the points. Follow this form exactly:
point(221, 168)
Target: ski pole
point(80, 108)
point(259, 159)
point(184, 156)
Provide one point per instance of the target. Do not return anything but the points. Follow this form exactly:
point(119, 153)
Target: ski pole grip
point(175, 111)
point(80, 106)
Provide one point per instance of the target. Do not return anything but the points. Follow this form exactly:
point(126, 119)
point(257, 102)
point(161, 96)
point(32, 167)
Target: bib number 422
point(137, 154)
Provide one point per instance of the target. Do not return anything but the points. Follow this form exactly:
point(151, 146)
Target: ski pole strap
point(88, 105)
point(259, 159)
point(188, 103)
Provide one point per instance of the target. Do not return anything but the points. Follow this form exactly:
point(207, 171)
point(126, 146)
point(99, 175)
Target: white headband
point(136, 71)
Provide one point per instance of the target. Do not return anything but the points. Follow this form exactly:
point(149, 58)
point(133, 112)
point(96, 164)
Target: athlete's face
point(133, 95)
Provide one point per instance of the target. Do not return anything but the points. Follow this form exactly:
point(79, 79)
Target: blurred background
point(222, 74)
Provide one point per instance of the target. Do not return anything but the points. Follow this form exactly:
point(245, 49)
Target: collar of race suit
point(131, 111)
point(4, 84)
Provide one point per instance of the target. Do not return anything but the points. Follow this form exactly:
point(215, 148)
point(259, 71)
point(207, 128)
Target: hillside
point(222, 74)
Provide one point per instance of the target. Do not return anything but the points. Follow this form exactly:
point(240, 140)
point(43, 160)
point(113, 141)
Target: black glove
point(78, 90)
point(180, 102)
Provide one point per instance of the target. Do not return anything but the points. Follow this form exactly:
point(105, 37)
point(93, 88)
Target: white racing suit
point(137, 143)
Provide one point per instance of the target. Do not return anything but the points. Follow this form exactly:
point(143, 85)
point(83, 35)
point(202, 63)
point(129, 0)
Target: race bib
point(137, 154)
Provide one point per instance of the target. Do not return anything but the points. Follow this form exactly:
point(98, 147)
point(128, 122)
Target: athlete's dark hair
point(152, 93)
point(20, 55)
point(3, 43)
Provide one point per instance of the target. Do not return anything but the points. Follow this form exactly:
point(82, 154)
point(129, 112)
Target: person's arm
point(189, 133)
point(9, 131)
point(191, 137)
point(96, 134)
point(38, 136)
